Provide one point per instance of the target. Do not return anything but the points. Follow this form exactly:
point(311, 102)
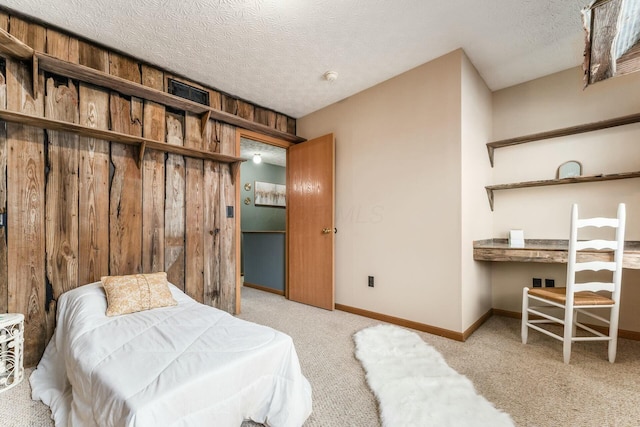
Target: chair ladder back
point(594, 286)
point(617, 246)
point(619, 251)
point(598, 222)
point(596, 244)
point(595, 266)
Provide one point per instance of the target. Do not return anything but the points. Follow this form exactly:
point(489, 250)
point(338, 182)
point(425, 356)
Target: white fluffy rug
point(415, 386)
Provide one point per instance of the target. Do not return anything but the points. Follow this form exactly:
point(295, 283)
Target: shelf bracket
point(143, 146)
point(204, 120)
point(490, 196)
point(35, 76)
point(490, 149)
point(234, 167)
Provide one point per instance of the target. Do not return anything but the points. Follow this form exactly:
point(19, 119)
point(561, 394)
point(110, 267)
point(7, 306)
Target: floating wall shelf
point(573, 180)
point(107, 135)
point(572, 130)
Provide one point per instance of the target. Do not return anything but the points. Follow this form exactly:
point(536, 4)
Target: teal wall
point(260, 218)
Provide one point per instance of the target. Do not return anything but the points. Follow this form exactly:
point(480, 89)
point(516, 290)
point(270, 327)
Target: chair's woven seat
point(580, 298)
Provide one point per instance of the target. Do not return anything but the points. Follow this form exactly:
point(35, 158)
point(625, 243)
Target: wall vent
point(188, 92)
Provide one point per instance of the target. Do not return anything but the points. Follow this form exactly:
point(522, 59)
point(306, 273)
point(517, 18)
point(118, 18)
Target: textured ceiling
point(274, 52)
point(269, 153)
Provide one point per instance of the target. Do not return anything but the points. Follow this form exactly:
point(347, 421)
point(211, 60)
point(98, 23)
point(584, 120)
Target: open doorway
point(309, 234)
point(262, 201)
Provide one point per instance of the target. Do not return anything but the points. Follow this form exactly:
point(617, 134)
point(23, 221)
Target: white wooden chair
point(581, 297)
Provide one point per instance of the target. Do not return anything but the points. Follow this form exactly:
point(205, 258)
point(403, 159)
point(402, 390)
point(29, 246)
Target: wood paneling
point(154, 127)
point(32, 35)
point(227, 302)
point(265, 117)
point(245, 110)
point(211, 267)
point(125, 201)
point(124, 67)
point(62, 46)
point(229, 104)
point(4, 283)
point(62, 190)
point(94, 172)
point(25, 208)
point(93, 197)
point(291, 126)
point(3, 144)
point(281, 122)
point(93, 57)
point(174, 204)
point(194, 213)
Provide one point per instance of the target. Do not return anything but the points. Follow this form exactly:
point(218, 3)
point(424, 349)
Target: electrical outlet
point(549, 283)
point(371, 281)
point(537, 283)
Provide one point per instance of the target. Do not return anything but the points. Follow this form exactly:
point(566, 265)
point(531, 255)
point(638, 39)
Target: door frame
point(269, 140)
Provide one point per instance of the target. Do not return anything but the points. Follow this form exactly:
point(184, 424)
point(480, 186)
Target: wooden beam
point(603, 31)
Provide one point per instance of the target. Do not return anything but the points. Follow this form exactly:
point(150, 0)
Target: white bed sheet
point(188, 365)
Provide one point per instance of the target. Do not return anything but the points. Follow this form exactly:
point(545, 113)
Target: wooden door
point(310, 222)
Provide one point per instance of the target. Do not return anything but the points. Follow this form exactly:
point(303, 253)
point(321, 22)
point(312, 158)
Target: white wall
point(557, 101)
point(476, 220)
point(398, 179)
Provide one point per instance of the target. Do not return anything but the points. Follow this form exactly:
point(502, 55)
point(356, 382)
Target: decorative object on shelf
point(269, 194)
point(516, 238)
point(11, 350)
point(247, 186)
point(247, 201)
point(569, 169)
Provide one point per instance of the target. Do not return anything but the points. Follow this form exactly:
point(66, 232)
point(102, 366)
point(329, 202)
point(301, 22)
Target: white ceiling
point(270, 153)
point(274, 52)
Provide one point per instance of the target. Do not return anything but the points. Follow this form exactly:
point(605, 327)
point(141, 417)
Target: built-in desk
point(548, 251)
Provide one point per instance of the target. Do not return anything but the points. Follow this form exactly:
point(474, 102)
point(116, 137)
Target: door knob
point(326, 230)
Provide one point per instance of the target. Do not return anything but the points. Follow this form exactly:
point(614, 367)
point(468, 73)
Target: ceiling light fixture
point(257, 158)
point(330, 76)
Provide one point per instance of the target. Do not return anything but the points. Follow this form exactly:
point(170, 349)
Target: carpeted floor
point(529, 382)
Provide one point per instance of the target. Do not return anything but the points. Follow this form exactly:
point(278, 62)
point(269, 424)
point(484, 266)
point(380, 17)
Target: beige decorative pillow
point(137, 292)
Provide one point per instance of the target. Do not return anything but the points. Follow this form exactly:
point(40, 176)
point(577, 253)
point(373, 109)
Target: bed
point(185, 365)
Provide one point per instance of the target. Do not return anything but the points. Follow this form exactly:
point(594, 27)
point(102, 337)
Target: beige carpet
point(529, 382)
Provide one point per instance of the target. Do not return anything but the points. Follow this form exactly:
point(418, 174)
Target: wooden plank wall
point(79, 208)
point(4, 285)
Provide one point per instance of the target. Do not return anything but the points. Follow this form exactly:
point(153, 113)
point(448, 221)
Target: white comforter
point(188, 365)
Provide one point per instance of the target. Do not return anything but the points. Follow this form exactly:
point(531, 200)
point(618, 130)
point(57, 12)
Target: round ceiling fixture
point(257, 158)
point(330, 76)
